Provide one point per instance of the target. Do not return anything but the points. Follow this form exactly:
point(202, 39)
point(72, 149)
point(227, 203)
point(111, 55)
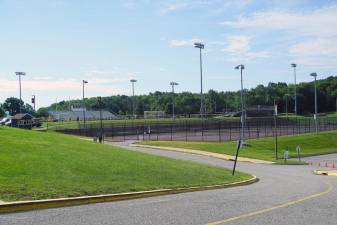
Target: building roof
point(23, 116)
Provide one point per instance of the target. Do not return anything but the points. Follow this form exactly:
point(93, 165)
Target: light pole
point(33, 101)
point(20, 74)
point(173, 84)
point(83, 83)
point(133, 81)
point(241, 68)
point(295, 92)
point(202, 106)
point(286, 96)
point(315, 116)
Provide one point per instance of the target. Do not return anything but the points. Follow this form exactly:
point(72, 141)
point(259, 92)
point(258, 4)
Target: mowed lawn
point(263, 148)
point(38, 165)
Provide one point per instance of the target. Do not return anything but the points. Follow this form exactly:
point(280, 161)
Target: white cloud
point(57, 85)
point(320, 52)
point(322, 46)
point(179, 43)
point(239, 49)
point(318, 23)
point(259, 54)
point(173, 7)
point(213, 5)
point(238, 44)
point(314, 32)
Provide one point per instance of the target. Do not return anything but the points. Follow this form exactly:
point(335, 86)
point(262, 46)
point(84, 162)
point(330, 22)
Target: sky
point(58, 43)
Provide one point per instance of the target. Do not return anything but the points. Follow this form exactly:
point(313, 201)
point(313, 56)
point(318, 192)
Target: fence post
point(186, 130)
point(202, 129)
point(230, 131)
point(157, 129)
point(124, 130)
point(219, 131)
point(112, 130)
point(171, 131)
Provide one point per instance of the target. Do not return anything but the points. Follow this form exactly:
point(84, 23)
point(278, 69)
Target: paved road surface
point(284, 195)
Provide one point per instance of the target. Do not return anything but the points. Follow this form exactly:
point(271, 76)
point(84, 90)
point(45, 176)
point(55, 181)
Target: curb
point(12, 207)
point(205, 153)
point(325, 172)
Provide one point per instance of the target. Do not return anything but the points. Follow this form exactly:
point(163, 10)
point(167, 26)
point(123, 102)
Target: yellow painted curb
point(205, 153)
point(326, 172)
point(53, 203)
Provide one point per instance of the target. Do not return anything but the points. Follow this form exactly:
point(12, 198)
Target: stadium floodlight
point(83, 83)
point(173, 84)
point(133, 81)
point(20, 74)
point(241, 68)
point(199, 45)
point(202, 106)
point(315, 115)
point(294, 65)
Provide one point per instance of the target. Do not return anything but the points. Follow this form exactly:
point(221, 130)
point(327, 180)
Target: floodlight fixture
point(199, 45)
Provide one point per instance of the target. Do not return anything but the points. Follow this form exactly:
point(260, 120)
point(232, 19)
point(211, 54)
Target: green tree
point(12, 105)
point(2, 111)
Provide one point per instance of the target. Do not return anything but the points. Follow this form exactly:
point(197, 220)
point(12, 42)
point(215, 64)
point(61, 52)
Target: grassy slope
point(263, 148)
point(36, 165)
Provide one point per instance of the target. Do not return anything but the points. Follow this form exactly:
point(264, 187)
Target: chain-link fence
point(202, 130)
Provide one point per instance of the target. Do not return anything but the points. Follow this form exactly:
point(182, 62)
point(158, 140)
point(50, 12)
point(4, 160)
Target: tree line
point(215, 101)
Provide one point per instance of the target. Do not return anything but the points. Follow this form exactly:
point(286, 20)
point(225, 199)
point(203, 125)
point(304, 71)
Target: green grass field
point(38, 165)
point(263, 148)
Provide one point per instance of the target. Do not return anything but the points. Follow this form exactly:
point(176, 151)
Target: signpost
point(286, 155)
point(238, 146)
point(298, 149)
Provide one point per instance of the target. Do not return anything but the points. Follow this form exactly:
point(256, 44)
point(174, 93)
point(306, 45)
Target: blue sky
point(60, 42)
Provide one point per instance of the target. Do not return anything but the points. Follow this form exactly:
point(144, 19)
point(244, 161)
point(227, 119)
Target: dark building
point(22, 120)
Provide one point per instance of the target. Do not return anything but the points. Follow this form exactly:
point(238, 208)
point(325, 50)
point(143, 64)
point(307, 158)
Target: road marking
point(254, 213)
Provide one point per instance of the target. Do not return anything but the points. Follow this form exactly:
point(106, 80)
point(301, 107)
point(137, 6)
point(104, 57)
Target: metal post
point(133, 81)
point(20, 74)
point(239, 144)
point(202, 107)
point(101, 119)
point(275, 130)
point(295, 92)
point(287, 105)
point(33, 101)
point(173, 113)
point(201, 89)
point(84, 108)
point(315, 116)
point(241, 67)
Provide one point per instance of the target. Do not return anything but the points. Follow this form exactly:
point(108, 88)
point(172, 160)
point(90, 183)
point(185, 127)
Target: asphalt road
point(284, 195)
